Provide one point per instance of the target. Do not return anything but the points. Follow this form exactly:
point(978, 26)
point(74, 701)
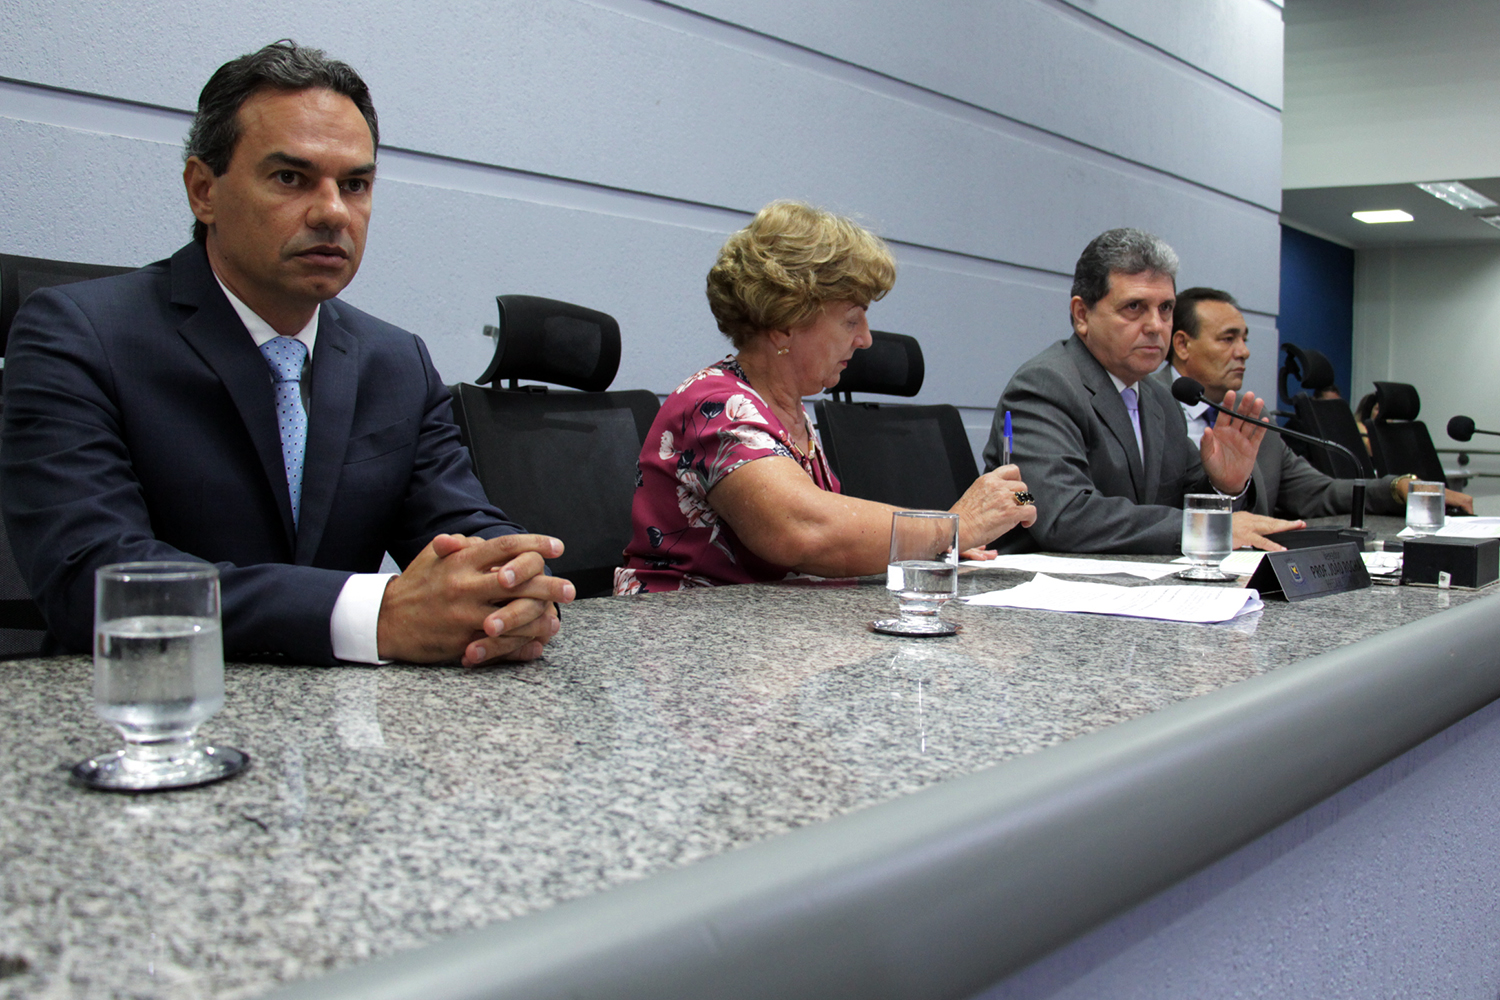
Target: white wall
point(1391, 91)
point(1431, 316)
point(599, 151)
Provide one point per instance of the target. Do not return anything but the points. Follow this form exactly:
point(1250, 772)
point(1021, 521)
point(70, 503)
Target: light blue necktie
point(287, 356)
point(1133, 407)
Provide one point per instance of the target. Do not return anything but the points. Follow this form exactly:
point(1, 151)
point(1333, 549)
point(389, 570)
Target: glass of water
point(158, 675)
point(1207, 535)
point(1424, 507)
point(922, 572)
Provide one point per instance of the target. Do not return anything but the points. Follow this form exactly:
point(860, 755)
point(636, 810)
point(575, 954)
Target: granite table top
point(387, 807)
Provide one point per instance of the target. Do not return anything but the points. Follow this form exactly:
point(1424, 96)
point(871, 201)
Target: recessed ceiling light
point(1457, 194)
point(1490, 220)
point(1385, 215)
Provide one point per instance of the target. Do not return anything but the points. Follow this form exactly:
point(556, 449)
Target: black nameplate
point(1298, 574)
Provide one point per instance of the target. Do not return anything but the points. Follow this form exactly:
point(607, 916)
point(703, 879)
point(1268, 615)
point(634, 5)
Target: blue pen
point(1005, 455)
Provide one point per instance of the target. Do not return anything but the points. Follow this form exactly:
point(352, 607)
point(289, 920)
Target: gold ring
point(1023, 498)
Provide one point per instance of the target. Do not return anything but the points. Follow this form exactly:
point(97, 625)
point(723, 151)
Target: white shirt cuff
point(355, 624)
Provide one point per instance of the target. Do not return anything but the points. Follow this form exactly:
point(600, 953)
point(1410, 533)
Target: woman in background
point(732, 485)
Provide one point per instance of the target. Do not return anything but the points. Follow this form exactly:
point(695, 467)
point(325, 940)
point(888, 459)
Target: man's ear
point(199, 180)
point(1079, 312)
point(1179, 343)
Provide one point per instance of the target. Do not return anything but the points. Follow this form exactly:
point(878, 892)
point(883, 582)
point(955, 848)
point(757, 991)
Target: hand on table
point(473, 598)
point(1251, 529)
point(1229, 447)
point(1452, 499)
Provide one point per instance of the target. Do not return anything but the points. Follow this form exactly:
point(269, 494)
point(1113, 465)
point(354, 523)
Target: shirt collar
point(1120, 384)
point(260, 330)
point(1195, 411)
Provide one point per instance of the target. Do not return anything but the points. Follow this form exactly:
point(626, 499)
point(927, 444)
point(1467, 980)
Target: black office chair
point(22, 629)
point(1325, 418)
point(561, 463)
point(1398, 440)
point(20, 276)
point(896, 453)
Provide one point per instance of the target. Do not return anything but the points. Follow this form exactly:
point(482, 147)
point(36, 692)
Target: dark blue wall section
point(1317, 302)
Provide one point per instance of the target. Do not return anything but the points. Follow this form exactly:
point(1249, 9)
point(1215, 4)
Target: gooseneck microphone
point(1462, 428)
point(1189, 392)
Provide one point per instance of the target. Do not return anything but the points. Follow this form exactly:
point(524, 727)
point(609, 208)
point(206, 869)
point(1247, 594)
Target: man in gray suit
point(1210, 344)
point(1105, 448)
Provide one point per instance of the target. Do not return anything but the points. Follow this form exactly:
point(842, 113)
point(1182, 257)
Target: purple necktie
point(1133, 407)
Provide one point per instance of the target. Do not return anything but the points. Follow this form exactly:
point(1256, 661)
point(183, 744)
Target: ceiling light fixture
point(1458, 194)
point(1384, 215)
point(1490, 220)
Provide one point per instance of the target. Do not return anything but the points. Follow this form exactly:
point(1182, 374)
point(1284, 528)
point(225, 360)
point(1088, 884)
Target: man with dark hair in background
point(223, 405)
point(1210, 344)
point(1103, 447)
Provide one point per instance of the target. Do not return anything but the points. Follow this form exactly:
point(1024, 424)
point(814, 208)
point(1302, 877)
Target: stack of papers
point(1077, 567)
point(1201, 605)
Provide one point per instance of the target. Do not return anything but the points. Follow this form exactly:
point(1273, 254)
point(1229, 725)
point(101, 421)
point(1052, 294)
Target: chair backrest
point(892, 366)
point(553, 341)
point(1398, 440)
point(561, 463)
point(896, 453)
point(900, 454)
point(1333, 420)
point(20, 276)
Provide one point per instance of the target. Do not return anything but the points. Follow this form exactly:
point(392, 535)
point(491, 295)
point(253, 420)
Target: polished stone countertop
point(387, 807)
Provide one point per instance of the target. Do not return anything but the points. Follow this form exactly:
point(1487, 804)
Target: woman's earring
point(785, 350)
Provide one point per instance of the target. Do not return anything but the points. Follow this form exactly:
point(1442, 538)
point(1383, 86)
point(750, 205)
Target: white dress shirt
point(354, 625)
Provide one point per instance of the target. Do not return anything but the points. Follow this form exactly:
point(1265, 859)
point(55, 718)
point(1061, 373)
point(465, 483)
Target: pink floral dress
point(709, 426)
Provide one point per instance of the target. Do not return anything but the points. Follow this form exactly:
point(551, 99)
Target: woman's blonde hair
point(779, 271)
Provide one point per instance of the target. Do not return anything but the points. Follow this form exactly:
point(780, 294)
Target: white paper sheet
point(1200, 605)
point(1462, 527)
point(1078, 567)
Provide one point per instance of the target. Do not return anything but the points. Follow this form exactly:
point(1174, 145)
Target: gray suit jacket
point(1077, 452)
point(1287, 485)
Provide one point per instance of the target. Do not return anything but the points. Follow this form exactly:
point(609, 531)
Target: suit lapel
point(1110, 409)
point(215, 332)
point(1153, 437)
point(335, 388)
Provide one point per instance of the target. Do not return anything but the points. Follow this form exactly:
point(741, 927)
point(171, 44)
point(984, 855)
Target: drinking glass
point(1424, 507)
point(1207, 535)
point(922, 572)
point(158, 675)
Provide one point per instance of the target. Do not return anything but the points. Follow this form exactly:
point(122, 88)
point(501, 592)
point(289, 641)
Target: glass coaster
point(895, 626)
point(114, 772)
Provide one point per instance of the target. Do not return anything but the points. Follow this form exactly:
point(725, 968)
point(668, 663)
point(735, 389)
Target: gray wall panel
point(1003, 57)
point(1237, 42)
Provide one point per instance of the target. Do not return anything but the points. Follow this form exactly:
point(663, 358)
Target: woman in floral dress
point(732, 486)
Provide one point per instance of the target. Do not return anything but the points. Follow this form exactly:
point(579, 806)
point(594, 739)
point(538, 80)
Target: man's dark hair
point(1185, 313)
point(282, 65)
point(1127, 251)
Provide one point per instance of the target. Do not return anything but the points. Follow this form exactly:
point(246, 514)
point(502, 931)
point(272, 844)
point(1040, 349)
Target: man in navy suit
point(155, 415)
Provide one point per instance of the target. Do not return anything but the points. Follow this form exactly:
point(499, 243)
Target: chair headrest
point(552, 341)
point(1311, 368)
point(891, 366)
point(1397, 401)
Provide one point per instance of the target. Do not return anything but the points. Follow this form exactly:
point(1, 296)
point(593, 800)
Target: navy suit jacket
point(140, 425)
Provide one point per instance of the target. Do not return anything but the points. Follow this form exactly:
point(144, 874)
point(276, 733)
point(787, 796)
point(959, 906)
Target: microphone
point(1462, 428)
point(1190, 392)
